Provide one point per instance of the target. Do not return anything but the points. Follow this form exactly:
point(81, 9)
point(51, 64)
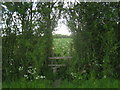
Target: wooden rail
point(56, 65)
point(67, 57)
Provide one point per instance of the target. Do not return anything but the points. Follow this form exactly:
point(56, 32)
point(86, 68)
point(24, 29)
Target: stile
point(56, 65)
point(67, 57)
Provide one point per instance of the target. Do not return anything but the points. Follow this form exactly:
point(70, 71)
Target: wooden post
point(54, 69)
point(54, 65)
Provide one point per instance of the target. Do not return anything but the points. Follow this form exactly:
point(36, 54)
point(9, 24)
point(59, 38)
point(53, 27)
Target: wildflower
point(105, 76)
point(11, 64)
point(42, 77)
point(20, 68)
point(30, 67)
point(37, 77)
point(25, 76)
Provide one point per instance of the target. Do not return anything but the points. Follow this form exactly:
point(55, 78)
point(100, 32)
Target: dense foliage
point(27, 40)
point(96, 38)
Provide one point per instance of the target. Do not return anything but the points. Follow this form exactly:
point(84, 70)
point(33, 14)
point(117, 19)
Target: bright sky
point(62, 28)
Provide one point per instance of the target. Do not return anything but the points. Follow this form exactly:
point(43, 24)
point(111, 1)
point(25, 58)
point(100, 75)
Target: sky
point(62, 28)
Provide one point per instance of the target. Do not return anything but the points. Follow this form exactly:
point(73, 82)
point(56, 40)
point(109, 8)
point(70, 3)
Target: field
point(62, 47)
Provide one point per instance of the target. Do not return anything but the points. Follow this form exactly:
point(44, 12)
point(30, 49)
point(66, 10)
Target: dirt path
point(56, 83)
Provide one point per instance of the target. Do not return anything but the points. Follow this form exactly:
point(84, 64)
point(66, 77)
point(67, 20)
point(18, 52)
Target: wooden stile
point(54, 58)
point(56, 65)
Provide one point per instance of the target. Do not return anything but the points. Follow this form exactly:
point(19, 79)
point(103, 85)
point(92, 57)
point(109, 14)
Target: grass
point(28, 84)
point(101, 83)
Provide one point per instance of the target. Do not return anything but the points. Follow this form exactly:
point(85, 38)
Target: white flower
point(30, 67)
point(20, 68)
point(29, 71)
point(10, 63)
point(37, 77)
point(42, 77)
point(105, 76)
point(75, 76)
point(25, 75)
point(72, 74)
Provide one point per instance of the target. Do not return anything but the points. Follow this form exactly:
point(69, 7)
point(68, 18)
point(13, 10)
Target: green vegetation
point(77, 83)
point(27, 44)
point(62, 36)
point(28, 84)
point(102, 83)
point(62, 46)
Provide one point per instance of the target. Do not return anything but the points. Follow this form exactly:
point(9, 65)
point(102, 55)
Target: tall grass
point(28, 84)
point(97, 83)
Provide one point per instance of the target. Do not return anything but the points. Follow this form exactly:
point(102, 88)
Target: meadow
point(62, 47)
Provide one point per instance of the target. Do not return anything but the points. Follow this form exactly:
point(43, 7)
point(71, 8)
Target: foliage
point(31, 84)
point(94, 45)
point(94, 27)
point(100, 83)
point(27, 38)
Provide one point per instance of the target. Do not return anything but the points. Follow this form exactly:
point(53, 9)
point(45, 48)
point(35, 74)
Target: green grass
point(101, 83)
point(28, 84)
